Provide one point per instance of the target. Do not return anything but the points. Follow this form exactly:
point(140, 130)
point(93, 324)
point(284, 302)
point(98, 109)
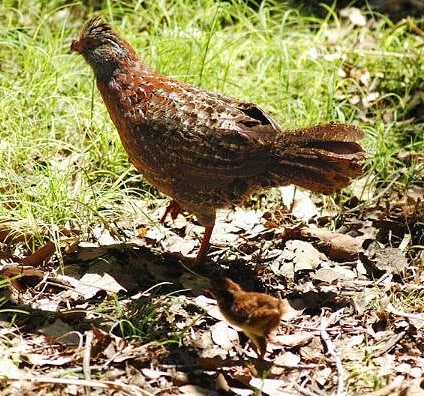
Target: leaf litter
point(346, 291)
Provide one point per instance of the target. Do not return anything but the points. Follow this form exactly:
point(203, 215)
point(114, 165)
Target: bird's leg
point(257, 343)
point(173, 209)
point(204, 246)
point(260, 343)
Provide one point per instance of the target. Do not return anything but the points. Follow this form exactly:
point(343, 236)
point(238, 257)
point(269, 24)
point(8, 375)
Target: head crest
point(95, 26)
point(94, 31)
point(102, 48)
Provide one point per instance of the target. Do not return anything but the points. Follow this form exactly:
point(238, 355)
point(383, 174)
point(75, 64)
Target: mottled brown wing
point(207, 134)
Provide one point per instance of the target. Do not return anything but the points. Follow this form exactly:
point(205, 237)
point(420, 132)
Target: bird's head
point(102, 48)
point(222, 286)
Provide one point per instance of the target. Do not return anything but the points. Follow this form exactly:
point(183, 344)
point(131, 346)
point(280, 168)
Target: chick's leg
point(260, 344)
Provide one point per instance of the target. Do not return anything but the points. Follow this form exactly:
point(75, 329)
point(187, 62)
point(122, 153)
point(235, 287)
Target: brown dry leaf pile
point(129, 317)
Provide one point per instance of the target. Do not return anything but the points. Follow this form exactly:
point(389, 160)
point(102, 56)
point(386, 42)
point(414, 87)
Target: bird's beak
point(76, 46)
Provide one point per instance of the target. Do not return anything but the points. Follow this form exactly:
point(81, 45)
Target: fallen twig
point(332, 352)
point(86, 358)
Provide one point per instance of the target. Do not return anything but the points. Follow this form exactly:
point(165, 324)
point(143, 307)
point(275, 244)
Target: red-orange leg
point(204, 246)
point(173, 209)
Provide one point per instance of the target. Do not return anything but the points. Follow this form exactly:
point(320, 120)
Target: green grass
point(153, 316)
point(61, 161)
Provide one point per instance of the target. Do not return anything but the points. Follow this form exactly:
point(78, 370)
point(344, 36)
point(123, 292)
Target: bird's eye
point(91, 43)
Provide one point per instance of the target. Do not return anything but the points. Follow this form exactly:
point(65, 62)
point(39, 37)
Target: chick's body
point(257, 314)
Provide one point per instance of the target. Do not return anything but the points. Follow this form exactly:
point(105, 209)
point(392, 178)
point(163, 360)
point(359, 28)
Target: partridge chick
point(257, 314)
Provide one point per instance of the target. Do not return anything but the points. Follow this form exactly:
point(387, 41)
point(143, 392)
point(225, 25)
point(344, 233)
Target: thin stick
point(332, 352)
point(86, 359)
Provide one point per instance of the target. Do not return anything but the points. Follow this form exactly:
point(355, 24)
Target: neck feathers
point(103, 49)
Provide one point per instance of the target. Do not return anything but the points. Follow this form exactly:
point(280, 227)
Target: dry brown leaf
point(154, 374)
point(20, 273)
point(223, 335)
point(43, 360)
point(293, 340)
point(241, 391)
point(8, 368)
point(246, 219)
point(177, 244)
point(90, 282)
point(322, 375)
point(194, 390)
point(56, 329)
point(243, 374)
point(9, 232)
point(202, 340)
point(103, 236)
point(155, 234)
point(69, 245)
point(332, 275)
point(299, 202)
point(40, 256)
point(313, 351)
point(409, 156)
point(270, 386)
point(287, 359)
point(214, 353)
point(342, 247)
point(354, 341)
point(415, 318)
point(383, 259)
point(90, 285)
point(416, 388)
point(306, 257)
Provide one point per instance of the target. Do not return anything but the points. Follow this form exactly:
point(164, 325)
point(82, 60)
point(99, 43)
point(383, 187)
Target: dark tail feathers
point(321, 158)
